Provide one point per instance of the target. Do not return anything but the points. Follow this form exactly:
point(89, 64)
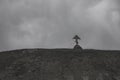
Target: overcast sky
point(53, 23)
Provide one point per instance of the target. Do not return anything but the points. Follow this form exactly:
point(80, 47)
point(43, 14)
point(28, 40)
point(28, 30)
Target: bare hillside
point(59, 64)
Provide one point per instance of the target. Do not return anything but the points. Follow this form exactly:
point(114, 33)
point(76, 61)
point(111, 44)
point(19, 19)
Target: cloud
point(53, 23)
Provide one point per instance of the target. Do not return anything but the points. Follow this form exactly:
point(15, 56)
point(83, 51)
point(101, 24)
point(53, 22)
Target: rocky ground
point(59, 64)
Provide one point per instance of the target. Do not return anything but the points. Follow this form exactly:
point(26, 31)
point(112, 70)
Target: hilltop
point(59, 64)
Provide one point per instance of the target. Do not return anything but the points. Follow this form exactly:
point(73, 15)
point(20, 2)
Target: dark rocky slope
point(59, 64)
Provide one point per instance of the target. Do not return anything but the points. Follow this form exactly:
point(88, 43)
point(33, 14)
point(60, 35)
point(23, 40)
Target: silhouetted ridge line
point(27, 64)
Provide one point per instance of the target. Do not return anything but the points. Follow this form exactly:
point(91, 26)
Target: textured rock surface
point(59, 64)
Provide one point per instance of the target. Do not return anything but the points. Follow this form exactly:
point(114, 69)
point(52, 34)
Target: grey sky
point(53, 23)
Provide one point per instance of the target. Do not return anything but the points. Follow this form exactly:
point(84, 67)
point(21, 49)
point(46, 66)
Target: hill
point(59, 64)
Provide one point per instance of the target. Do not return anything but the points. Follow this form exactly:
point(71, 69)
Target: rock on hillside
point(59, 64)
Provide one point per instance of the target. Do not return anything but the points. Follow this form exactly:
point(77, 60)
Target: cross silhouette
point(76, 37)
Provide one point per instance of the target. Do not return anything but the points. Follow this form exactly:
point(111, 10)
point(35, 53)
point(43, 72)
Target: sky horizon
point(53, 24)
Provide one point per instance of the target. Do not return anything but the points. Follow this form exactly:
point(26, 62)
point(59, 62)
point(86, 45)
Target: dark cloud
point(53, 23)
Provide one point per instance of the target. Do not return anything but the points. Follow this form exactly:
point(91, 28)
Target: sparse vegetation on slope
point(59, 64)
